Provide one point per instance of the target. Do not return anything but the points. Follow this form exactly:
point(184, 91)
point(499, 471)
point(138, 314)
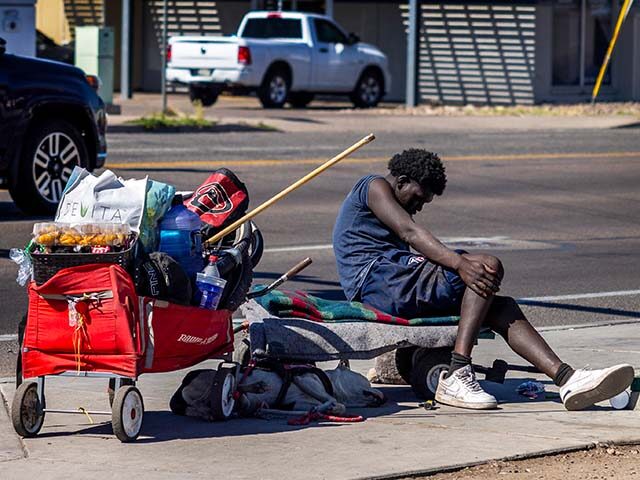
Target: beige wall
point(52, 21)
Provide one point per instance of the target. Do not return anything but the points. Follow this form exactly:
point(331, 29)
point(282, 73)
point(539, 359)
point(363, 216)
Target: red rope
point(252, 364)
point(313, 415)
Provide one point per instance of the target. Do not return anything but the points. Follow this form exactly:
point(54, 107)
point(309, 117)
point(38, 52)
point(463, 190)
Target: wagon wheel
point(112, 387)
point(404, 362)
point(27, 414)
point(224, 385)
point(127, 413)
point(425, 375)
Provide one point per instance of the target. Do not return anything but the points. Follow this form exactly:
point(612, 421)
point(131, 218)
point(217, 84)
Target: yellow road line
point(316, 161)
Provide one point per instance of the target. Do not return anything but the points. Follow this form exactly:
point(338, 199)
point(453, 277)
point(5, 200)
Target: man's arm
point(384, 205)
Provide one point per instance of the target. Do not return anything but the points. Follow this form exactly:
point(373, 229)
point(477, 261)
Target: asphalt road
point(561, 208)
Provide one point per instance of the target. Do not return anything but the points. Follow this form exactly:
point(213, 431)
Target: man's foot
point(462, 390)
point(587, 387)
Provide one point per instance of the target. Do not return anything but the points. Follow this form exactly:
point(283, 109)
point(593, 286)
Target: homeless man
point(372, 238)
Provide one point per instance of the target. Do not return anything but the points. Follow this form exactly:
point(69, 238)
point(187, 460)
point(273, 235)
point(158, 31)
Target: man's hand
point(479, 277)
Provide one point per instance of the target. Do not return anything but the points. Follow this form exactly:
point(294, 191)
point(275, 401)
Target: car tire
point(52, 148)
point(274, 91)
point(368, 90)
point(205, 95)
point(300, 99)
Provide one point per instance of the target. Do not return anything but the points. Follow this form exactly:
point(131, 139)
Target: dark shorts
point(409, 286)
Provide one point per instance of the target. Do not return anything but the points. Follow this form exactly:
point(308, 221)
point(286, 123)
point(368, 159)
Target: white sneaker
point(462, 390)
point(586, 387)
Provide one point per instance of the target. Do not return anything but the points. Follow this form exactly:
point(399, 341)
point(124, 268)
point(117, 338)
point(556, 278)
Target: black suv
point(51, 119)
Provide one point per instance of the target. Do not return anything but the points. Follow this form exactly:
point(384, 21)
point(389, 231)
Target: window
point(327, 32)
point(272, 28)
point(582, 30)
point(599, 29)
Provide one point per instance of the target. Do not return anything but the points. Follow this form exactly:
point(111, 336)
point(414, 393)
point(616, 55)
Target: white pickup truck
point(284, 57)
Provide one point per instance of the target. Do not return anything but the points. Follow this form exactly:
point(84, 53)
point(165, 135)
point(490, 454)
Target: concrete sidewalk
point(337, 116)
point(395, 440)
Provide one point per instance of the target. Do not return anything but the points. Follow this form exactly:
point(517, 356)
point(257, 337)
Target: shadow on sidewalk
point(164, 426)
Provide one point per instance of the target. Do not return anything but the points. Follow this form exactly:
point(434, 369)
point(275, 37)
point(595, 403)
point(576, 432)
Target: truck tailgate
point(196, 52)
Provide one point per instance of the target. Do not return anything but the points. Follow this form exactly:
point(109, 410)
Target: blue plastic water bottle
point(180, 237)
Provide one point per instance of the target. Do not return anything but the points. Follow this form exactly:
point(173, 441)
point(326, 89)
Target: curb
point(525, 456)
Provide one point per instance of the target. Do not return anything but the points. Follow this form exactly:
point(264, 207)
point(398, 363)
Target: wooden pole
point(369, 138)
point(605, 63)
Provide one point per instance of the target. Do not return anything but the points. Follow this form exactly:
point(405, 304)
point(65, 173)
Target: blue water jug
point(180, 237)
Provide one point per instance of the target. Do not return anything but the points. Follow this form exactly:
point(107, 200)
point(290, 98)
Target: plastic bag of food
point(56, 234)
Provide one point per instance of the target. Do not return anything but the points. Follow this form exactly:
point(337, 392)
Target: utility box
point(94, 55)
point(18, 26)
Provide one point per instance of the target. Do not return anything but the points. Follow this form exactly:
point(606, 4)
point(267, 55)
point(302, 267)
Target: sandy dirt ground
point(601, 462)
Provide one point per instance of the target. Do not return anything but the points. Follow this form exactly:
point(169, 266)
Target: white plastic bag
point(25, 269)
point(103, 199)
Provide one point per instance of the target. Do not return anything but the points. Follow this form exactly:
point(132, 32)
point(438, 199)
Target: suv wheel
point(368, 91)
point(274, 91)
point(52, 149)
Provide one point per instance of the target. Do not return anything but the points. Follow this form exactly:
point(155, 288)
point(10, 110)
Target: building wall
point(52, 21)
point(475, 53)
point(627, 59)
point(185, 17)
point(625, 63)
point(381, 24)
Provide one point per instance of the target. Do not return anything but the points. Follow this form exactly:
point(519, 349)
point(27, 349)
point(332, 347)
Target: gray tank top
point(360, 239)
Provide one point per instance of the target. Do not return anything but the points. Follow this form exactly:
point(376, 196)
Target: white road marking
point(579, 296)
point(485, 243)
point(8, 338)
point(299, 248)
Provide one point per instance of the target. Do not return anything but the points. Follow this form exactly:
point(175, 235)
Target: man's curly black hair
point(420, 165)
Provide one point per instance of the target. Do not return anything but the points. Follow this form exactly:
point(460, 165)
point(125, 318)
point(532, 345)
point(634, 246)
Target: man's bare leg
point(579, 389)
point(507, 319)
point(504, 316)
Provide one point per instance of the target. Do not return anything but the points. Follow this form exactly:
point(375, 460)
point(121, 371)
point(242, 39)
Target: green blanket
point(298, 304)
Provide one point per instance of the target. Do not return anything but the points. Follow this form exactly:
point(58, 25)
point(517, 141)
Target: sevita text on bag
point(103, 199)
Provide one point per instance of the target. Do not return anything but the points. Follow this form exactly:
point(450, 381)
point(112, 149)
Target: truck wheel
point(52, 148)
point(427, 365)
point(274, 91)
point(300, 99)
point(368, 91)
point(206, 95)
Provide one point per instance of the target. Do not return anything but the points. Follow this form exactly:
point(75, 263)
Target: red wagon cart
point(88, 321)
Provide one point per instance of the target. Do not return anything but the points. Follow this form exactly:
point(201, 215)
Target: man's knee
point(490, 261)
point(494, 264)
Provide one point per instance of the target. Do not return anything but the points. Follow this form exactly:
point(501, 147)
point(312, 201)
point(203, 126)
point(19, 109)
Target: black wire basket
point(46, 265)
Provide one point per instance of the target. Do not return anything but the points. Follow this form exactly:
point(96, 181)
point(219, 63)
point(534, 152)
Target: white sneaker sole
point(454, 402)
point(612, 382)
